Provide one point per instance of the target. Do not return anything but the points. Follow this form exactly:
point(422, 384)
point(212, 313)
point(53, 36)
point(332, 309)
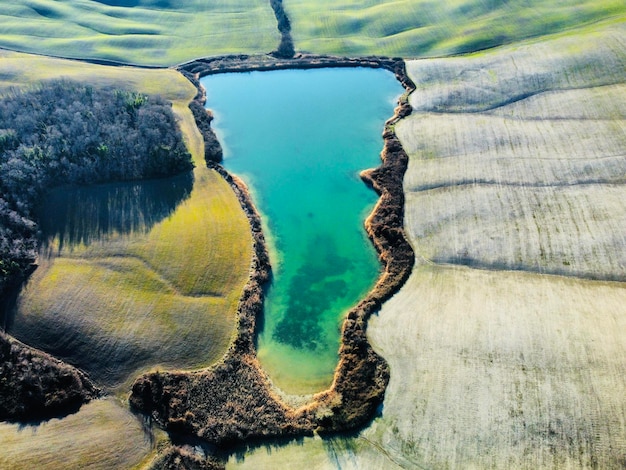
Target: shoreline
point(234, 402)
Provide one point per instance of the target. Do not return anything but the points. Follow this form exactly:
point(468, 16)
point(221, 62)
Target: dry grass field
point(146, 32)
point(102, 435)
point(536, 157)
point(507, 345)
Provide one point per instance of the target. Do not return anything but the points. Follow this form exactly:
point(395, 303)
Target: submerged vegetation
point(65, 133)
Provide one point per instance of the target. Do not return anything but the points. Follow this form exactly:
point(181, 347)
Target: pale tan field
point(516, 170)
point(102, 435)
point(535, 183)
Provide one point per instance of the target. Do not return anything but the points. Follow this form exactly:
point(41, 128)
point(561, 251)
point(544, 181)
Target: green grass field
point(143, 32)
point(152, 32)
point(168, 295)
point(427, 28)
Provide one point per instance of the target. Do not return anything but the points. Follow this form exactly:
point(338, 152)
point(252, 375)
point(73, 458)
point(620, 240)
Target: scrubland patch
point(103, 434)
point(418, 28)
point(141, 32)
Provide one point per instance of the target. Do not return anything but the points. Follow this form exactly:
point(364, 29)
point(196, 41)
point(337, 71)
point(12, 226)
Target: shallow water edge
point(233, 402)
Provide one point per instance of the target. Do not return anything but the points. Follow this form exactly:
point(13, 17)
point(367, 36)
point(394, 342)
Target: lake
point(299, 139)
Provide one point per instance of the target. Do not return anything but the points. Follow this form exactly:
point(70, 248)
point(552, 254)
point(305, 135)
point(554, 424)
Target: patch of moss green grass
point(135, 301)
point(428, 28)
point(139, 32)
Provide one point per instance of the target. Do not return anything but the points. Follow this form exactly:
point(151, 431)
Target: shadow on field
point(84, 214)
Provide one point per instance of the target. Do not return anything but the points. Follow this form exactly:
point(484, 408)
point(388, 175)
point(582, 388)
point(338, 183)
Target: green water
point(299, 139)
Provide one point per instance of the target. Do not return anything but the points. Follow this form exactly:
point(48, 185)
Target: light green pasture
point(142, 32)
point(419, 28)
point(22, 70)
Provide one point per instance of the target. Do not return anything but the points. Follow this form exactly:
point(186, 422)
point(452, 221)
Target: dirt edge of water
point(233, 403)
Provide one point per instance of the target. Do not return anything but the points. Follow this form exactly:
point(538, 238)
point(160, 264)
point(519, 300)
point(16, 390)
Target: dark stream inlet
point(299, 139)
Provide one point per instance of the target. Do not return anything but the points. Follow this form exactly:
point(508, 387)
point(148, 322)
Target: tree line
point(66, 133)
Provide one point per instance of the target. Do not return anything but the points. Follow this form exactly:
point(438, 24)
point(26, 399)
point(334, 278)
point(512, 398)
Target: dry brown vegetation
point(233, 402)
point(33, 385)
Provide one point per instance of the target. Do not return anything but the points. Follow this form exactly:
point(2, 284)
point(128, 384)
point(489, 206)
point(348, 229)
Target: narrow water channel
point(299, 139)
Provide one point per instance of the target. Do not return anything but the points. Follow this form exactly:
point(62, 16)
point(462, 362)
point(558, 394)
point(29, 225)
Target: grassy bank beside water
point(174, 287)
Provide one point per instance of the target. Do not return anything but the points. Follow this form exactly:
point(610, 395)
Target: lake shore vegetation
point(238, 385)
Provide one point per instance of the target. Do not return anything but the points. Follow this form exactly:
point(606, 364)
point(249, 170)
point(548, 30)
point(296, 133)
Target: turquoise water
point(299, 139)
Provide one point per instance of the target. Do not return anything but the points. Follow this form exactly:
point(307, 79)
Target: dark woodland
point(65, 133)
